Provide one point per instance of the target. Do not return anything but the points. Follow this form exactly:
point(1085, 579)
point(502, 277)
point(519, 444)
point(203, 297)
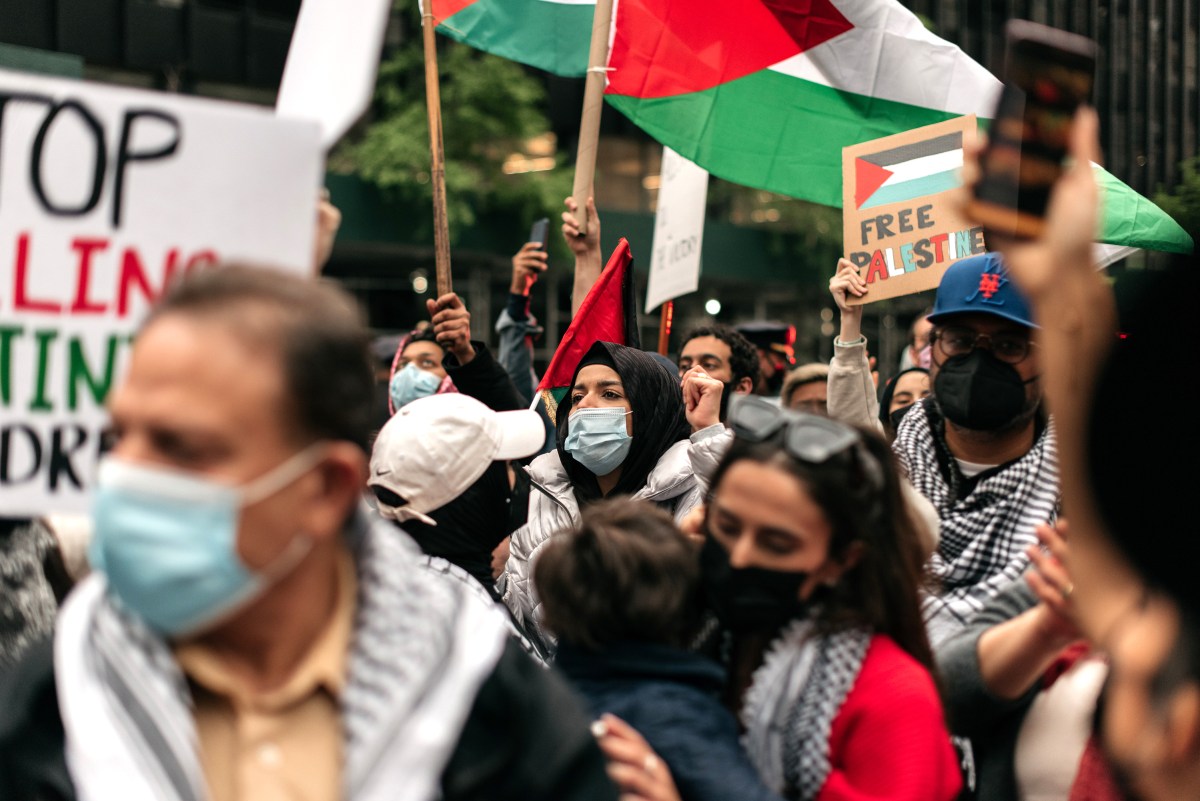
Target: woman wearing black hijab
point(622, 430)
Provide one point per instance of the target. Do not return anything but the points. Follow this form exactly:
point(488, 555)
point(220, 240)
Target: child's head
point(626, 574)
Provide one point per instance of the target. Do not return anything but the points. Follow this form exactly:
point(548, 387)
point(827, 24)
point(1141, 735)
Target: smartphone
point(1048, 75)
point(539, 231)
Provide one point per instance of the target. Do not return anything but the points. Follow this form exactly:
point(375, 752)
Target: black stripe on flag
point(930, 147)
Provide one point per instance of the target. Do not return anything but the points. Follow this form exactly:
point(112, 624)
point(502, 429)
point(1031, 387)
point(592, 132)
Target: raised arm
point(588, 261)
point(851, 389)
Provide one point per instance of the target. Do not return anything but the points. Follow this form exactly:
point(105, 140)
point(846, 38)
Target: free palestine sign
point(902, 226)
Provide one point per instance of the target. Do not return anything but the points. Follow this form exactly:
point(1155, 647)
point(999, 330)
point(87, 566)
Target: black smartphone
point(540, 231)
point(1048, 76)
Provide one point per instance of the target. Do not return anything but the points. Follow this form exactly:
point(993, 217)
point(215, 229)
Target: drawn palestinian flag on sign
point(908, 172)
point(552, 35)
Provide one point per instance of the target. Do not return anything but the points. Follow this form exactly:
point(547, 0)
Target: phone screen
point(1049, 75)
point(539, 232)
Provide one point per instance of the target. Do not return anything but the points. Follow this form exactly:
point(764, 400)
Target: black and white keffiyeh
point(791, 705)
point(984, 534)
point(421, 649)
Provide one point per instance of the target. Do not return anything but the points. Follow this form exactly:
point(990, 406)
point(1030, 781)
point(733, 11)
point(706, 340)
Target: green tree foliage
point(1184, 202)
point(490, 108)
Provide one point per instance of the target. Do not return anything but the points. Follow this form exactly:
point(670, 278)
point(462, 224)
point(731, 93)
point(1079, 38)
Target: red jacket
point(889, 741)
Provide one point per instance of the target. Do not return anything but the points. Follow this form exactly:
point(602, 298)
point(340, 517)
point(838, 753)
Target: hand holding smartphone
point(1049, 74)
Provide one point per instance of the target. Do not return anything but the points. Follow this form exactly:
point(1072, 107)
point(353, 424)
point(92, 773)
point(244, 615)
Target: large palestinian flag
point(766, 93)
point(552, 35)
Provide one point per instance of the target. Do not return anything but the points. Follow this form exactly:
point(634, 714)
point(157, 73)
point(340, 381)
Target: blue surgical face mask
point(411, 383)
point(167, 541)
point(597, 439)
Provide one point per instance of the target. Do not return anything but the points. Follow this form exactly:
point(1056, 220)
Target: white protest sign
point(329, 76)
point(678, 230)
point(105, 195)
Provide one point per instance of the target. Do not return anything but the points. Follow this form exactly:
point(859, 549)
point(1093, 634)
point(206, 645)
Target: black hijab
point(659, 420)
point(889, 390)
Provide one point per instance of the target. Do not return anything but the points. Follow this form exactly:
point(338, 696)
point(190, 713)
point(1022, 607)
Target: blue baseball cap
point(980, 285)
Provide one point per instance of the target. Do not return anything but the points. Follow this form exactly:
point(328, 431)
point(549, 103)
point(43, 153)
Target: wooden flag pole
point(593, 104)
point(666, 317)
point(437, 170)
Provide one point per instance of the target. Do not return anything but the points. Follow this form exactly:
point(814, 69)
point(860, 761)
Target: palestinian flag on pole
point(552, 35)
point(607, 314)
point(766, 93)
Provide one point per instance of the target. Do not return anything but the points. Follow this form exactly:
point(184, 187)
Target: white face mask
point(597, 439)
point(166, 541)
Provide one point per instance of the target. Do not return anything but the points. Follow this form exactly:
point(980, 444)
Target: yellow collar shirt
point(284, 744)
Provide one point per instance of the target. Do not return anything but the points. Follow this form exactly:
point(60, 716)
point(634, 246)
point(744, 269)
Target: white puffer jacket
point(672, 485)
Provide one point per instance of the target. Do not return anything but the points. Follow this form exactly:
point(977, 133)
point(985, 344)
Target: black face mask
point(979, 392)
point(749, 598)
point(898, 415)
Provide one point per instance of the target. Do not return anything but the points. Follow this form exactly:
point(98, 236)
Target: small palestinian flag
point(908, 172)
point(607, 314)
point(552, 35)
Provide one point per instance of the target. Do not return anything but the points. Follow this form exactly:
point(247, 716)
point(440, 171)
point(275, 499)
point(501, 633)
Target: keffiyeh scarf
point(792, 702)
point(421, 649)
point(984, 534)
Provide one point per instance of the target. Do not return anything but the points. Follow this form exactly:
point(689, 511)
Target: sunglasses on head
point(807, 437)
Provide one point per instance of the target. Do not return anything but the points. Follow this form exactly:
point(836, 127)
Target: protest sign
point(329, 76)
point(107, 194)
point(901, 222)
point(678, 230)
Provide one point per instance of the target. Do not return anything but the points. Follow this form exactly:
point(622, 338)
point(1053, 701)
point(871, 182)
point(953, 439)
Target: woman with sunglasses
point(622, 430)
point(812, 567)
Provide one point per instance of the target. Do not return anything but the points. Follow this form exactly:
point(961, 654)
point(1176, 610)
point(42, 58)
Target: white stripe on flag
point(926, 165)
point(890, 55)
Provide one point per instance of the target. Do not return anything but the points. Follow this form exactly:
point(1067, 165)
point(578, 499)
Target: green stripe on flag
point(918, 187)
point(1130, 219)
point(773, 131)
point(550, 36)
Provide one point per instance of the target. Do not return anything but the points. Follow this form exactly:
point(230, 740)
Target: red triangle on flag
point(663, 48)
point(443, 10)
point(867, 178)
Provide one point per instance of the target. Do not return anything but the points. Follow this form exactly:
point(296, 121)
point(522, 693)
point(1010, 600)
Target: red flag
point(607, 314)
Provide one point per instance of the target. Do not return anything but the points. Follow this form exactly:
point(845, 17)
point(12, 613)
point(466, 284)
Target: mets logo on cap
point(980, 285)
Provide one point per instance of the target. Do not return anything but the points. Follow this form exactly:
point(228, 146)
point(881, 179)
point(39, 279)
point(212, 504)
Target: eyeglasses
point(955, 341)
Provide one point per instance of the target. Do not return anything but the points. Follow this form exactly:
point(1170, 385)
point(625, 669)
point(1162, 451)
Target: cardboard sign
point(901, 224)
point(106, 194)
point(329, 76)
point(678, 230)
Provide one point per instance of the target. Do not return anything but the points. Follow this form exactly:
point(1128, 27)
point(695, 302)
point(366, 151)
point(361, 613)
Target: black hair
point(889, 390)
point(315, 326)
point(864, 505)
point(743, 356)
point(626, 574)
point(1137, 461)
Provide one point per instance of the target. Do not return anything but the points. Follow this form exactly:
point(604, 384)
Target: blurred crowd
point(320, 566)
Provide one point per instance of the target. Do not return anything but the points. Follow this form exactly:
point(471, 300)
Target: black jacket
point(525, 739)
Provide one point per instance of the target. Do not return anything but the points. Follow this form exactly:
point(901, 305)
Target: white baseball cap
point(434, 448)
